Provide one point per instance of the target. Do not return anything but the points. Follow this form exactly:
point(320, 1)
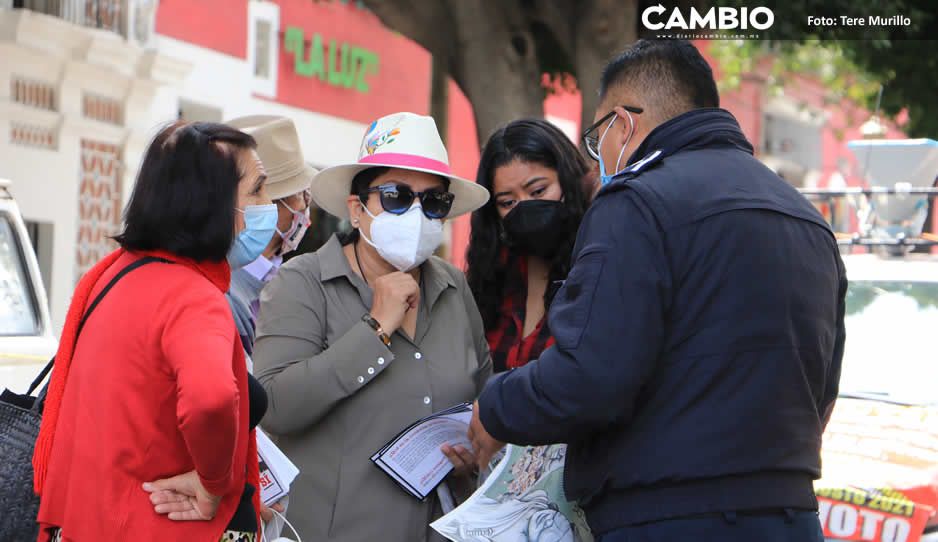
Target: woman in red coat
point(149, 409)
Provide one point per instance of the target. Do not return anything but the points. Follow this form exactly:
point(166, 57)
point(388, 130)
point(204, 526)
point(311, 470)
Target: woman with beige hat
point(288, 180)
point(371, 333)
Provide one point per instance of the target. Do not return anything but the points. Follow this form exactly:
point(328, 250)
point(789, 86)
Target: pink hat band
point(397, 159)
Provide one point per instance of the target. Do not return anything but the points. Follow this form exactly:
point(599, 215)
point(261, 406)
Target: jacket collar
point(332, 261)
point(698, 128)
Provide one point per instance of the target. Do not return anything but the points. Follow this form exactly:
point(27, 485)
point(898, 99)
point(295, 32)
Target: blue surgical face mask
point(604, 178)
point(260, 225)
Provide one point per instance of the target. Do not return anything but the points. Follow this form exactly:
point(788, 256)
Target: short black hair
point(672, 74)
point(186, 192)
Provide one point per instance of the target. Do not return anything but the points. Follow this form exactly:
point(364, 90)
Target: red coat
point(157, 386)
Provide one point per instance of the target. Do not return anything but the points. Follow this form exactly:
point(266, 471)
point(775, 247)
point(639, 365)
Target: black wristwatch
point(375, 325)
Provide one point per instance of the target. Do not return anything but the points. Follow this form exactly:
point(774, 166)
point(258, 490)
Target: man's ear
point(629, 124)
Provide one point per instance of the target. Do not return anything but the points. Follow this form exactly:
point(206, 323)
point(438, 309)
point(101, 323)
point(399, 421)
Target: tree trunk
point(603, 30)
point(439, 95)
point(496, 63)
point(500, 90)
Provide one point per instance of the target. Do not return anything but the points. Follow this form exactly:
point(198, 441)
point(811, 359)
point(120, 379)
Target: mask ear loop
point(601, 139)
point(628, 140)
point(361, 231)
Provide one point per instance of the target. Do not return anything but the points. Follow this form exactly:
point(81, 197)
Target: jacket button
point(426, 400)
point(361, 380)
point(371, 370)
point(418, 355)
point(380, 361)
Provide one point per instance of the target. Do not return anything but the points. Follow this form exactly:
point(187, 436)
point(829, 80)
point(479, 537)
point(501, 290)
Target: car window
point(18, 314)
point(891, 332)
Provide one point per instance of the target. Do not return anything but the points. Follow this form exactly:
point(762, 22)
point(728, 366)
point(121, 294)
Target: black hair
point(361, 182)
point(672, 74)
point(533, 141)
point(186, 192)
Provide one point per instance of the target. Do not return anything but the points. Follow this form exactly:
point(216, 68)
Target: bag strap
point(142, 261)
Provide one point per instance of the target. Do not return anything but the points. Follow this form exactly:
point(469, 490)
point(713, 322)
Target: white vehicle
point(880, 449)
point(880, 453)
point(26, 339)
point(892, 324)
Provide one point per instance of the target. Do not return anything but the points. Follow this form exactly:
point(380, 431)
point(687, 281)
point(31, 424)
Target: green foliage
point(825, 61)
point(852, 61)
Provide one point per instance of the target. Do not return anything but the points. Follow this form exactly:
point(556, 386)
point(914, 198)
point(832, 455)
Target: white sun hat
point(400, 140)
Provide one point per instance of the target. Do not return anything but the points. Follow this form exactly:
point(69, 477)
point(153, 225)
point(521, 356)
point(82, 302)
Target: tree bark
point(603, 29)
point(488, 49)
point(439, 95)
point(430, 24)
point(496, 65)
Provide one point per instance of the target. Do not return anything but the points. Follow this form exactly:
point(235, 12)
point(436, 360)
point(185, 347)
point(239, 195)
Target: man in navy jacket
point(699, 335)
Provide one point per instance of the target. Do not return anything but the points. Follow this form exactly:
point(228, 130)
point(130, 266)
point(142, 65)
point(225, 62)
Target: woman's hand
point(395, 294)
point(464, 462)
point(182, 498)
point(267, 513)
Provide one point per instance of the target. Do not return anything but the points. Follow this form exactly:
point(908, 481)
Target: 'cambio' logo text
point(724, 18)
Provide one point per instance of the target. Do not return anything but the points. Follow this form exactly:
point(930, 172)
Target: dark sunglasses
point(591, 136)
point(398, 198)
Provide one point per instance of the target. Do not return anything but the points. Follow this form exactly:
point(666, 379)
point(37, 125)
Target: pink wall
point(463, 149)
point(401, 81)
point(843, 122)
point(220, 25)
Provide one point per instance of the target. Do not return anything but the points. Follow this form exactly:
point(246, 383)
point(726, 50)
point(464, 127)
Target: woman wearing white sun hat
point(370, 333)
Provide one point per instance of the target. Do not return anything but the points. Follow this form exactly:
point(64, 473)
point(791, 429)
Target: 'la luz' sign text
point(345, 66)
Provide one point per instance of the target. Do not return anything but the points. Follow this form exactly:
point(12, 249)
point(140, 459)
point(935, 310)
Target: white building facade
point(85, 85)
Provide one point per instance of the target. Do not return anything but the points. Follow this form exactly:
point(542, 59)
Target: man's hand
point(182, 498)
point(483, 444)
point(464, 463)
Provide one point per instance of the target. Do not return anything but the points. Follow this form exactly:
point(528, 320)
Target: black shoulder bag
point(20, 415)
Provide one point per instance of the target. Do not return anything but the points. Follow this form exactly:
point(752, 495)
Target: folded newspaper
point(413, 458)
point(521, 501)
point(277, 471)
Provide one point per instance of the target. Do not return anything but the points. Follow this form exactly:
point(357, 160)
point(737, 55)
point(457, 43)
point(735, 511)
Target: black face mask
point(537, 226)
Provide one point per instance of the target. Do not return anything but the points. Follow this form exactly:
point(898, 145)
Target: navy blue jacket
point(699, 337)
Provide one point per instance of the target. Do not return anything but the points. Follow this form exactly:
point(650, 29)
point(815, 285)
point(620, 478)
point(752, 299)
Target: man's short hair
point(671, 74)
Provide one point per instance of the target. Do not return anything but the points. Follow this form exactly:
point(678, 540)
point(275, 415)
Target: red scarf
point(219, 273)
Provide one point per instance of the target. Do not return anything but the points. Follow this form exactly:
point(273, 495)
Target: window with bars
point(33, 93)
point(263, 43)
point(30, 135)
point(262, 48)
point(101, 108)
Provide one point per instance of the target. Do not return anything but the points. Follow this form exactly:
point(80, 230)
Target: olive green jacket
point(337, 394)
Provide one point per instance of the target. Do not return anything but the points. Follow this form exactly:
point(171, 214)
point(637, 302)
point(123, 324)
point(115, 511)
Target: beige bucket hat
point(278, 146)
point(401, 140)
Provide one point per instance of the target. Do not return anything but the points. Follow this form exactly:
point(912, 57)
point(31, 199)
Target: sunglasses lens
point(436, 204)
point(396, 199)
